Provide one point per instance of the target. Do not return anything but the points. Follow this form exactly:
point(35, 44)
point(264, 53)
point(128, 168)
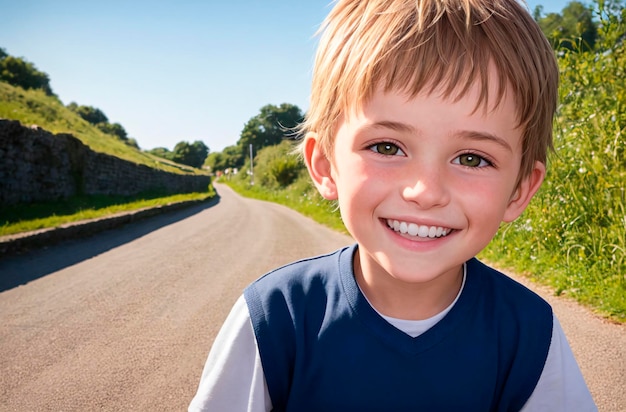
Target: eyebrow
point(388, 124)
point(467, 134)
point(475, 135)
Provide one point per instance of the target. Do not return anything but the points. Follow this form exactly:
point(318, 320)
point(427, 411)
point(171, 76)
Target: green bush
point(276, 166)
point(21, 73)
point(301, 196)
point(573, 235)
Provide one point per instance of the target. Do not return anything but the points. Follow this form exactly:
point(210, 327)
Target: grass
point(35, 107)
point(573, 235)
point(300, 196)
point(35, 216)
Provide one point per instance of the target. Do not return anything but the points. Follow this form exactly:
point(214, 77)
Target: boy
point(429, 124)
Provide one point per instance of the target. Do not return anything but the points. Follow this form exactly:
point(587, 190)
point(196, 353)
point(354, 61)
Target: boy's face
point(424, 183)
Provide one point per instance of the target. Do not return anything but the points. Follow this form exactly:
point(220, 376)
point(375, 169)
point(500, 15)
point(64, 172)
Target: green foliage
point(573, 29)
point(97, 118)
point(163, 152)
point(114, 129)
point(269, 127)
point(21, 73)
point(233, 156)
point(90, 114)
point(612, 15)
point(573, 235)
point(132, 143)
point(281, 177)
point(193, 154)
point(284, 170)
point(300, 196)
point(277, 167)
point(35, 107)
point(214, 162)
point(230, 158)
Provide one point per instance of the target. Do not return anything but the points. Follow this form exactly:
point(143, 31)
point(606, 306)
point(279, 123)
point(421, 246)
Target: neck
point(410, 301)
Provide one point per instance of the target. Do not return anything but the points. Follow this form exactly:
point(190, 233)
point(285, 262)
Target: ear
point(525, 192)
point(319, 167)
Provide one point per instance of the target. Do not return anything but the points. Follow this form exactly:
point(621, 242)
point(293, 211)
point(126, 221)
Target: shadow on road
point(21, 269)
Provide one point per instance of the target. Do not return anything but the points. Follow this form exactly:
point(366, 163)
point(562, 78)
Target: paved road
point(124, 320)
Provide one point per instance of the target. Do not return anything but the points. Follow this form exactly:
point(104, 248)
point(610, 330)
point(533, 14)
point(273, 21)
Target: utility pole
point(251, 167)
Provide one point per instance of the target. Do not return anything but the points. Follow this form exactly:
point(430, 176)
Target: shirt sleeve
point(233, 379)
point(561, 387)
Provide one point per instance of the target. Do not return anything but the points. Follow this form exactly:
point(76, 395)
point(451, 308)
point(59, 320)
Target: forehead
point(489, 96)
point(433, 114)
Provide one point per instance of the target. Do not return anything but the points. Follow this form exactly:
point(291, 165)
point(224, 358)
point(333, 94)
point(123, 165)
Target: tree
point(162, 152)
point(573, 29)
point(90, 114)
point(96, 117)
point(19, 72)
point(233, 157)
point(192, 154)
point(132, 142)
point(114, 129)
point(229, 158)
point(214, 161)
point(269, 127)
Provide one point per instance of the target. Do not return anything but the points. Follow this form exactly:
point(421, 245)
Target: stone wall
point(36, 165)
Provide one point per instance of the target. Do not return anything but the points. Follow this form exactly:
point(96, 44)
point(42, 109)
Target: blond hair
point(421, 45)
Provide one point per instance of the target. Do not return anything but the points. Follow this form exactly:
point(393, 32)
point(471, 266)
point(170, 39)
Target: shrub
point(276, 167)
point(573, 235)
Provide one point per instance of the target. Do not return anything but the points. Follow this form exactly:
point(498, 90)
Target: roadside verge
point(25, 241)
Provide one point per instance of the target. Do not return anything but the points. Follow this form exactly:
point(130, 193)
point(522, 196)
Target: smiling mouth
point(413, 229)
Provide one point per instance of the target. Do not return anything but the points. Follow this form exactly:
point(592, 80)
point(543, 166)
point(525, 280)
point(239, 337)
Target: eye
point(387, 149)
point(472, 160)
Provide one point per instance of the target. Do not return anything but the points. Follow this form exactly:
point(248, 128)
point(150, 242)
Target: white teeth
point(403, 227)
point(423, 231)
point(413, 229)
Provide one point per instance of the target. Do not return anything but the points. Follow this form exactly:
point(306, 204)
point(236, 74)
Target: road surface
point(124, 320)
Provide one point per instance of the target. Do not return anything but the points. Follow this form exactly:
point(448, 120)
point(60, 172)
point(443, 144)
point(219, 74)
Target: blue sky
point(173, 70)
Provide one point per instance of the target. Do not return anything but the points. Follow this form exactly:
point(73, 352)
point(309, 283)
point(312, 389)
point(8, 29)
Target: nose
point(427, 188)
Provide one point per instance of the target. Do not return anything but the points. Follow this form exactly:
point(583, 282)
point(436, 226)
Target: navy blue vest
point(324, 348)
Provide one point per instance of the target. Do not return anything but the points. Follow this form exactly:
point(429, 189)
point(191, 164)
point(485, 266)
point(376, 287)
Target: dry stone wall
point(36, 165)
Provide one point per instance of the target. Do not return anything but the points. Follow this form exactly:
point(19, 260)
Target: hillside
point(35, 107)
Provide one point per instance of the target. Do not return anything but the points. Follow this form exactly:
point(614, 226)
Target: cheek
point(352, 173)
point(486, 198)
point(360, 186)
